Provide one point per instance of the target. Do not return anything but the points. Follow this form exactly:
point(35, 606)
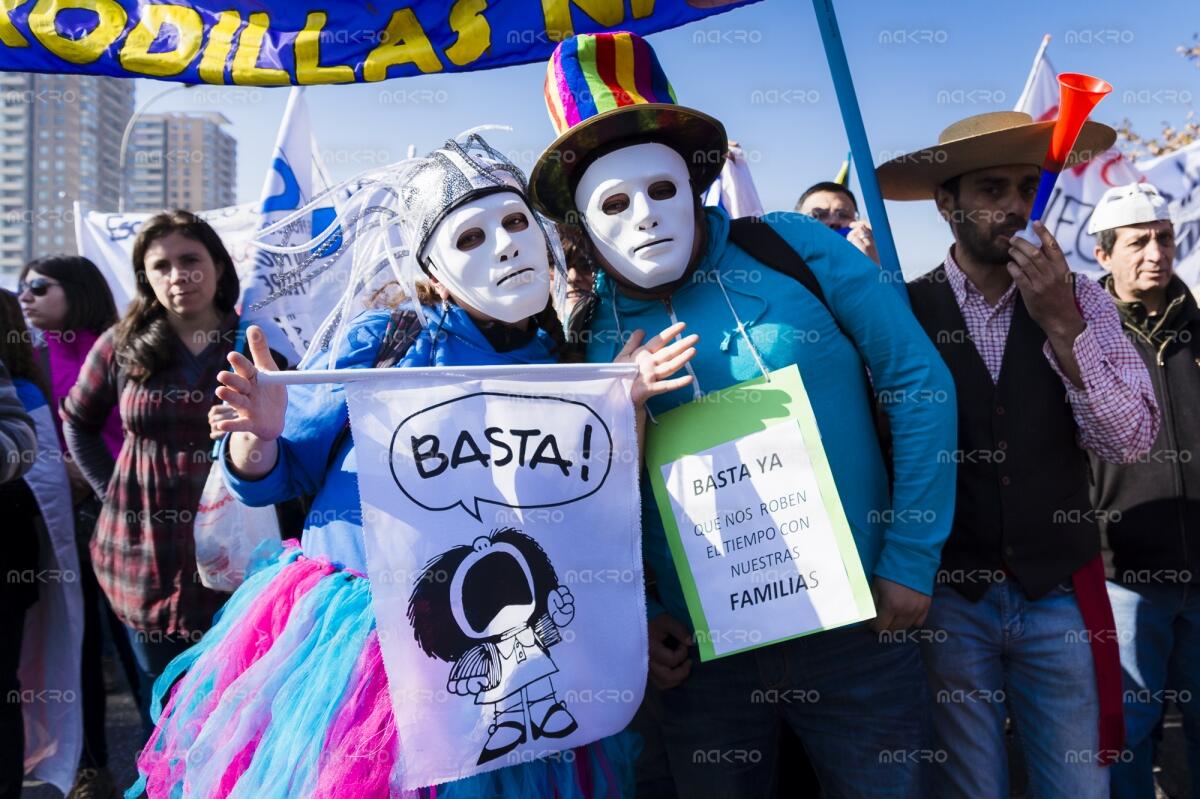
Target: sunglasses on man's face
point(37, 287)
point(838, 215)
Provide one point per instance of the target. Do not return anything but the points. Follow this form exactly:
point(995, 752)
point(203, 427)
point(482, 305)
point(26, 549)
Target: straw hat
point(605, 88)
point(979, 142)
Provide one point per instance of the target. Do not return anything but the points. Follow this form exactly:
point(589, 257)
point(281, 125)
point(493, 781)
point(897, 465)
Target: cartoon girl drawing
point(494, 609)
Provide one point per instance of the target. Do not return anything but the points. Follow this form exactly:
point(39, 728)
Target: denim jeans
point(1158, 627)
point(858, 702)
point(1031, 659)
point(152, 651)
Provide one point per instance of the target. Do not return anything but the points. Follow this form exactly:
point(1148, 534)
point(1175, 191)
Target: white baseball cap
point(1131, 204)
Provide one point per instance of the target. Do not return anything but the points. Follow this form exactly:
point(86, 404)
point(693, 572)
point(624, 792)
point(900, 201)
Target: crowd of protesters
point(131, 438)
point(1059, 599)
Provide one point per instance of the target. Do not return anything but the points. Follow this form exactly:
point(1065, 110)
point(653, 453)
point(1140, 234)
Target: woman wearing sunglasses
point(158, 365)
point(67, 299)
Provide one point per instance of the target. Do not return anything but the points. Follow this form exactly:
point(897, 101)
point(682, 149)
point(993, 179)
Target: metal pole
point(137, 114)
point(1041, 51)
point(549, 371)
point(856, 132)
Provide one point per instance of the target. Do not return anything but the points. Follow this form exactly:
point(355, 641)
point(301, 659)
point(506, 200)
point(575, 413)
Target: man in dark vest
point(1020, 621)
point(1149, 510)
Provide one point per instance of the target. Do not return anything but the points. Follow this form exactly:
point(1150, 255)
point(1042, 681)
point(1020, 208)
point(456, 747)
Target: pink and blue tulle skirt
point(286, 698)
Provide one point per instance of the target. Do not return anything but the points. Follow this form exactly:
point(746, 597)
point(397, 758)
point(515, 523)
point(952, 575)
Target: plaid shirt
point(1115, 410)
point(143, 551)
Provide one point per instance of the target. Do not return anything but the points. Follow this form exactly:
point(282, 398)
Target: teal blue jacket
point(900, 541)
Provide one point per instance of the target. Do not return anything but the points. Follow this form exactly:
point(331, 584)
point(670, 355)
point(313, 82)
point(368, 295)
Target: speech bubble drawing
point(483, 443)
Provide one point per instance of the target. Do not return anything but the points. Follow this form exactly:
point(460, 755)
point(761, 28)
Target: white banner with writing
point(1177, 176)
point(501, 516)
point(106, 239)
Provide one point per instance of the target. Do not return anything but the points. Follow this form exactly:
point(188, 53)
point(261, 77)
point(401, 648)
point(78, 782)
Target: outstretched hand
point(259, 407)
point(657, 361)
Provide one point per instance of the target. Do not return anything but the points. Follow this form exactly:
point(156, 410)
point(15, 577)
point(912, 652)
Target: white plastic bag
point(228, 533)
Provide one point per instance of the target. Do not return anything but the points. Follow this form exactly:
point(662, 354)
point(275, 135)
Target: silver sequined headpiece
point(453, 175)
point(382, 228)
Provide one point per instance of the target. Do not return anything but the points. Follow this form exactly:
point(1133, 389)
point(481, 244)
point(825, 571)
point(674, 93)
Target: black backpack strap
point(764, 244)
point(404, 327)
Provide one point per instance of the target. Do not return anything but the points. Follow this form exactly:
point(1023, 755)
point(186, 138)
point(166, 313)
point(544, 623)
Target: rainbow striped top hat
point(605, 91)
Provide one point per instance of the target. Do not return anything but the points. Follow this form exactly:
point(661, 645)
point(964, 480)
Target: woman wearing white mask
point(287, 695)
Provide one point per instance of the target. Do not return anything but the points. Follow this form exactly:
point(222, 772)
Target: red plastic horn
point(1078, 95)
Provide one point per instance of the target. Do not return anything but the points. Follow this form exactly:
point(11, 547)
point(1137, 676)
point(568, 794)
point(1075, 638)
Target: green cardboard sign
point(765, 552)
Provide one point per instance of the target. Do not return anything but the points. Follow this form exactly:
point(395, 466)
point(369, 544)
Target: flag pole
point(1037, 59)
point(856, 132)
point(843, 175)
point(852, 120)
point(551, 371)
point(239, 342)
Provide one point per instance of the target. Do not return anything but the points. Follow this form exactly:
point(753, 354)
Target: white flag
point(1177, 177)
point(107, 241)
point(734, 188)
point(1078, 188)
point(289, 311)
point(502, 529)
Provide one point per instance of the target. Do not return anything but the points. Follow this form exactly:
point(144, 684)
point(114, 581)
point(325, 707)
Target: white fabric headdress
point(382, 228)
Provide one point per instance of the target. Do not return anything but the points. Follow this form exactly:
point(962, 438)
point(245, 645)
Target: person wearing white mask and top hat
point(629, 165)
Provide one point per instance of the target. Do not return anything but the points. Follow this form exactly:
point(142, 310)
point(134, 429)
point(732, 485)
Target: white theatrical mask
point(491, 255)
point(640, 213)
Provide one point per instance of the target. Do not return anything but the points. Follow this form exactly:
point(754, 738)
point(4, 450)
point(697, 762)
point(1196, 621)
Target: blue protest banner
point(282, 42)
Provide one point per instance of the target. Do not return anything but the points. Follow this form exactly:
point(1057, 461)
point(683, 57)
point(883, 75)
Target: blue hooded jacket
point(899, 540)
point(316, 413)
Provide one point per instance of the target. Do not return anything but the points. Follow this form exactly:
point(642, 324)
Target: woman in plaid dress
point(159, 367)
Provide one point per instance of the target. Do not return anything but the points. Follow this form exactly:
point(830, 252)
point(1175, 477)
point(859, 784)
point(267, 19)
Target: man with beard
point(1020, 618)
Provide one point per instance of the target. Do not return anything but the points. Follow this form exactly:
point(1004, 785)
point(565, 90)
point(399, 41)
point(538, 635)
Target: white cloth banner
point(503, 537)
point(49, 674)
point(734, 188)
point(1079, 188)
point(293, 309)
point(1177, 176)
point(107, 241)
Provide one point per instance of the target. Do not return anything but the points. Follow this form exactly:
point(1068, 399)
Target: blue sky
point(917, 65)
